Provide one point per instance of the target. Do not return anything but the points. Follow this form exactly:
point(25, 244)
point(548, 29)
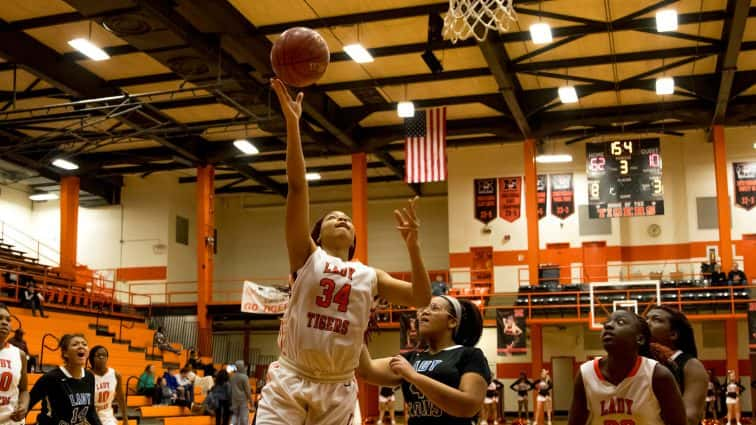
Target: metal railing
point(42, 350)
point(121, 328)
point(44, 253)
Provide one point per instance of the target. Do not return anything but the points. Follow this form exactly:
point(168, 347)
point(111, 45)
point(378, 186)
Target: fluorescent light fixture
point(312, 176)
point(666, 20)
point(43, 196)
point(540, 33)
point(405, 109)
point(358, 53)
point(554, 158)
point(88, 49)
point(665, 85)
point(246, 147)
point(567, 94)
point(754, 145)
point(66, 165)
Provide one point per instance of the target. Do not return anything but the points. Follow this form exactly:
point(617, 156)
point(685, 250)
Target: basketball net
point(475, 18)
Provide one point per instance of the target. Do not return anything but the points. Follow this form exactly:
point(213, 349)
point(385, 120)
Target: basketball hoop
point(475, 18)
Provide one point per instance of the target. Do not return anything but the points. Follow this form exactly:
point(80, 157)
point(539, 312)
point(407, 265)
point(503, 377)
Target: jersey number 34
point(341, 297)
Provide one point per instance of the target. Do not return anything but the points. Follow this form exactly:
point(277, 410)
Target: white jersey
point(632, 400)
point(105, 389)
point(10, 375)
point(324, 324)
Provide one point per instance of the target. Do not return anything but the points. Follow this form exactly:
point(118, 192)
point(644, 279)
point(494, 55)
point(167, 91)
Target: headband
point(457, 310)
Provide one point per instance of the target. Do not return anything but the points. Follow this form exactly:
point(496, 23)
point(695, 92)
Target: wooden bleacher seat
point(163, 411)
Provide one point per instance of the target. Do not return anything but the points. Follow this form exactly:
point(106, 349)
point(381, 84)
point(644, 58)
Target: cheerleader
point(543, 401)
point(732, 391)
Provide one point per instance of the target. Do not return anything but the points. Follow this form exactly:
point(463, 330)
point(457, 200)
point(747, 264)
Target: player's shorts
point(107, 417)
point(382, 399)
point(287, 398)
point(731, 400)
point(543, 398)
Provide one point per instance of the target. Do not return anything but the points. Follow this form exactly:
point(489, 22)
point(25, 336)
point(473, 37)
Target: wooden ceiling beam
point(732, 35)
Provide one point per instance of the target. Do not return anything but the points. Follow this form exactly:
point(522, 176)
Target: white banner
point(260, 299)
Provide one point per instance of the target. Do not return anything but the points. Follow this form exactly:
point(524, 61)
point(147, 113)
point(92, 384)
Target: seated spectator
point(163, 394)
point(34, 298)
point(170, 379)
point(186, 385)
point(439, 287)
point(194, 361)
point(146, 384)
point(381, 304)
point(718, 278)
point(736, 276)
point(18, 342)
point(161, 342)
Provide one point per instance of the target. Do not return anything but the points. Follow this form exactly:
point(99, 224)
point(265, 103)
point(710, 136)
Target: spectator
point(240, 395)
point(736, 276)
point(222, 394)
point(163, 394)
point(382, 305)
point(438, 286)
point(194, 361)
point(718, 278)
point(161, 342)
point(146, 384)
point(171, 380)
point(18, 342)
point(34, 298)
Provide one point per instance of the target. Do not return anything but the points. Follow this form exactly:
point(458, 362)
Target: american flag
point(425, 146)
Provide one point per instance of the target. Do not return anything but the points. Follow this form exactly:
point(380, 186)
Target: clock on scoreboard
point(624, 178)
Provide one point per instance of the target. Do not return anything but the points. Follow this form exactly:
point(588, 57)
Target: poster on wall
point(745, 184)
point(510, 331)
point(409, 336)
point(261, 299)
point(752, 326)
point(562, 195)
point(510, 198)
point(541, 195)
point(485, 200)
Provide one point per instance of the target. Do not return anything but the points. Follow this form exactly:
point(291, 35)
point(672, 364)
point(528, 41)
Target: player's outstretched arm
point(578, 414)
point(696, 384)
point(298, 240)
point(668, 394)
point(418, 292)
point(377, 371)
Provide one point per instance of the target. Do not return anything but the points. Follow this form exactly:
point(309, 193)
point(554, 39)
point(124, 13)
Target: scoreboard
point(624, 178)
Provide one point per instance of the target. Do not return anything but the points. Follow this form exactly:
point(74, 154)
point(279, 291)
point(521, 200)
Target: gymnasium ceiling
point(206, 63)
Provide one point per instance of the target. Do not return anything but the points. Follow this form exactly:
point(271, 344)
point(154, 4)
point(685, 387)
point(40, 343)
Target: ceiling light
point(246, 147)
point(358, 53)
point(312, 176)
point(553, 158)
point(405, 109)
point(567, 94)
point(43, 196)
point(88, 49)
point(754, 145)
point(540, 33)
point(665, 85)
point(666, 20)
point(66, 165)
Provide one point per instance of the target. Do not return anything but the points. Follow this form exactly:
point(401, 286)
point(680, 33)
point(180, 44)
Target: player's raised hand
point(292, 109)
point(407, 222)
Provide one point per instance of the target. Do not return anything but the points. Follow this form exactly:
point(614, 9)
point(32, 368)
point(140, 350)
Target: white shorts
point(543, 398)
point(522, 398)
point(107, 418)
point(731, 400)
point(382, 399)
point(488, 400)
point(290, 399)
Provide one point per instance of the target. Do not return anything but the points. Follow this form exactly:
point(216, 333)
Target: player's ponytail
point(470, 324)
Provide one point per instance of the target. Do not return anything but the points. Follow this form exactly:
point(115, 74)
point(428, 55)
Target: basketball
point(300, 57)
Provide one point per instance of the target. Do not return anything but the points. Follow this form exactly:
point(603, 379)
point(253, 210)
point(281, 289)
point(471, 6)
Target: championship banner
point(485, 200)
point(409, 335)
point(260, 299)
point(745, 184)
point(510, 198)
point(562, 195)
point(541, 195)
point(510, 331)
point(752, 326)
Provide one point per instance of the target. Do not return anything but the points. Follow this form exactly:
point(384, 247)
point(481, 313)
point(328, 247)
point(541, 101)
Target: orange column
point(205, 246)
point(368, 404)
point(359, 204)
point(723, 199)
point(731, 345)
point(69, 220)
point(536, 361)
point(531, 209)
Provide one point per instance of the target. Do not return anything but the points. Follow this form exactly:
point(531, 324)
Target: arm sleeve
point(38, 392)
point(475, 361)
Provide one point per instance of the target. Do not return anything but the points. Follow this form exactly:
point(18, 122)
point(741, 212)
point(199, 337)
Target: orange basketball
point(300, 57)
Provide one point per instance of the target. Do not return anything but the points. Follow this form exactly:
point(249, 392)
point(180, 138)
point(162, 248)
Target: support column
point(731, 345)
point(359, 204)
point(205, 247)
point(723, 199)
point(367, 399)
point(531, 210)
point(69, 220)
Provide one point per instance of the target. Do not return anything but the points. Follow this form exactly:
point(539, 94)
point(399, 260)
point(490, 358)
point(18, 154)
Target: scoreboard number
point(624, 178)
